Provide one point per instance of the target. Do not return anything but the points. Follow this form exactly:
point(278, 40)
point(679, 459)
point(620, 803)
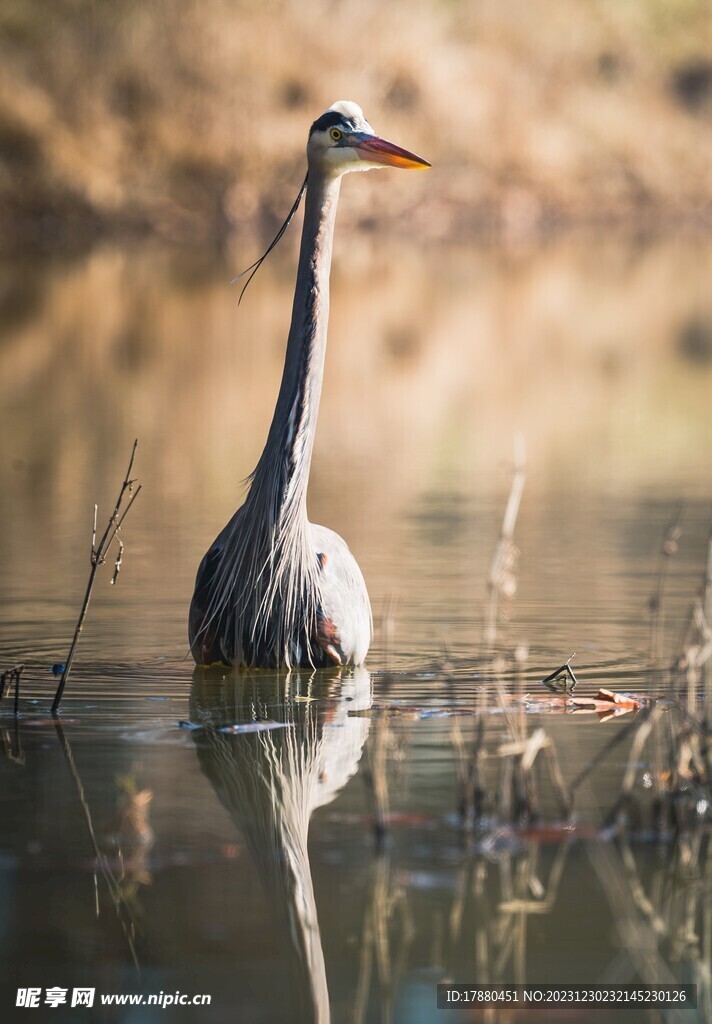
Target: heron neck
point(286, 458)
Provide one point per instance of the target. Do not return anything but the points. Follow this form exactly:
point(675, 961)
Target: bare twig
point(117, 566)
point(93, 533)
point(98, 557)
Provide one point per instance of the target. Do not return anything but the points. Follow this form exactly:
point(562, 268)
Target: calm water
point(323, 862)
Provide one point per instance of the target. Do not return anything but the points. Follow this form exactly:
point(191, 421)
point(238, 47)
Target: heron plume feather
point(254, 267)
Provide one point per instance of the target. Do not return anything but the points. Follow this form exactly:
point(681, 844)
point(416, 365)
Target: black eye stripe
point(332, 119)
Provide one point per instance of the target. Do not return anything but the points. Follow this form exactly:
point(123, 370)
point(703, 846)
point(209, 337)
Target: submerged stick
point(11, 744)
point(563, 670)
point(98, 557)
point(6, 680)
point(123, 911)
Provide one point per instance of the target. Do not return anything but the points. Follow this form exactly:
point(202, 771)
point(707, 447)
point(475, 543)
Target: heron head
point(342, 140)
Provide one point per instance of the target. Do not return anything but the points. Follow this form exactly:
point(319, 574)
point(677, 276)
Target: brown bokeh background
point(186, 119)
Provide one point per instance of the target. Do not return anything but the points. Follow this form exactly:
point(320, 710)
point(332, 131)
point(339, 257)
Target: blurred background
point(186, 121)
point(549, 276)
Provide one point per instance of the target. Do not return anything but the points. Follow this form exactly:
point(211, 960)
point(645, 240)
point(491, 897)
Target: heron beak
point(386, 154)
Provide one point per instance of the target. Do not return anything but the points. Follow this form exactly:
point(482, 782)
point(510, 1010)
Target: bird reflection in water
point(271, 781)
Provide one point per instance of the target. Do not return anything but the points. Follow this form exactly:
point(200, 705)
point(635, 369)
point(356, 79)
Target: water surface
point(324, 862)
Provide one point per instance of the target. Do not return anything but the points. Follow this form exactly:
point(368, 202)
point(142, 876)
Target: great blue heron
point(274, 589)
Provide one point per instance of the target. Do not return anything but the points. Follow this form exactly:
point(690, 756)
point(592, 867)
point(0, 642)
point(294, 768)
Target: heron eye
point(335, 134)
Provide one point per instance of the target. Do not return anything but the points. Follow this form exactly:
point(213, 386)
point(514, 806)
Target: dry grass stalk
point(603, 753)
point(707, 609)
point(664, 922)
point(523, 753)
point(501, 935)
point(668, 548)
point(474, 799)
point(690, 750)
point(678, 745)
point(388, 628)
point(515, 797)
point(387, 934)
point(99, 554)
point(502, 581)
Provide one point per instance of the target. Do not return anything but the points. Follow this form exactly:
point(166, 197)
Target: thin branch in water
point(99, 553)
